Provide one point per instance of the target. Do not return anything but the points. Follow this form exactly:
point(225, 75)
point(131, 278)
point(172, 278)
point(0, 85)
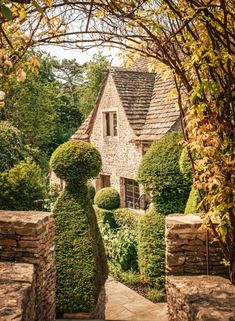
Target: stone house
point(133, 108)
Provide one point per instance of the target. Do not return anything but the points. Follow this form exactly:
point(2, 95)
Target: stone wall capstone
point(187, 249)
point(17, 292)
point(28, 237)
point(200, 298)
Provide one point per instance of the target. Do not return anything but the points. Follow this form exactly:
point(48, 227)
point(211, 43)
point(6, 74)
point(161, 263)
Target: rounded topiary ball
point(76, 161)
point(107, 198)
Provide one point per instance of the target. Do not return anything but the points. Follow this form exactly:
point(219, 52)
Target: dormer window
point(110, 124)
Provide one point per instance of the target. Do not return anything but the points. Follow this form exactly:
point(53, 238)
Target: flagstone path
point(124, 304)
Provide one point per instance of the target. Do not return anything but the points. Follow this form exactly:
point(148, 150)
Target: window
point(110, 123)
point(105, 181)
point(132, 193)
point(102, 181)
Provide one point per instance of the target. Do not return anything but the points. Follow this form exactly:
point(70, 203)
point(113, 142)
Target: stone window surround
point(111, 136)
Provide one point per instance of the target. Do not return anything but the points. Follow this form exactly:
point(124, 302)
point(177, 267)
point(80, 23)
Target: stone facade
point(120, 155)
point(200, 298)
point(188, 252)
point(17, 292)
point(28, 237)
point(140, 103)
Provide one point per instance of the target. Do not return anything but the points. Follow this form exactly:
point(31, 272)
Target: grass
point(156, 295)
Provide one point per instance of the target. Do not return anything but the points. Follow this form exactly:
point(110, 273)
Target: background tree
point(50, 104)
point(93, 73)
point(11, 146)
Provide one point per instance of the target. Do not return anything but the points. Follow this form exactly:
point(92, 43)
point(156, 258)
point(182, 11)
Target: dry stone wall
point(187, 249)
point(17, 292)
point(28, 237)
point(200, 298)
point(190, 253)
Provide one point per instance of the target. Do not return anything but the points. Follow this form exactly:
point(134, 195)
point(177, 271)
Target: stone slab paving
point(124, 304)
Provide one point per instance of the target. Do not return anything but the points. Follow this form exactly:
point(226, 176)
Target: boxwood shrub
point(105, 217)
point(91, 191)
point(76, 161)
point(192, 205)
point(127, 217)
point(159, 172)
point(22, 187)
point(107, 198)
point(80, 256)
point(151, 247)
point(185, 165)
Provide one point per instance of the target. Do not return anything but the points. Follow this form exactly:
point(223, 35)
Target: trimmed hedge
point(185, 165)
point(127, 217)
point(159, 172)
point(186, 169)
point(107, 198)
point(80, 257)
point(76, 161)
point(105, 217)
point(151, 247)
point(91, 191)
point(193, 202)
point(22, 186)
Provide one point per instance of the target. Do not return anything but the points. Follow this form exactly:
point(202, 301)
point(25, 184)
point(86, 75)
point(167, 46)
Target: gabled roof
point(162, 113)
point(145, 99)
point(135, 91)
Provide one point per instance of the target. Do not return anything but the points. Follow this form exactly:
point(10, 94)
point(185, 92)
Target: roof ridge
point(125, 69)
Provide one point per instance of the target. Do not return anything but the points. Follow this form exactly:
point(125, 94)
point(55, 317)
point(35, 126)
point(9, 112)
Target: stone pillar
point(28, 237)
point(187, 250)
point(17, 291)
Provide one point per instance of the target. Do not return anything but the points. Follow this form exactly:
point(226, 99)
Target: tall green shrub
point(185, 165)
point(151, 247)
point(80, 257)
point(192, 204)
point(159, 172)
point(22, 186)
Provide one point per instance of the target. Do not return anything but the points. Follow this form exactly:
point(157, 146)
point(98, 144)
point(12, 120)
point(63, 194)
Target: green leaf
point(36, 5)
point(6, 12)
